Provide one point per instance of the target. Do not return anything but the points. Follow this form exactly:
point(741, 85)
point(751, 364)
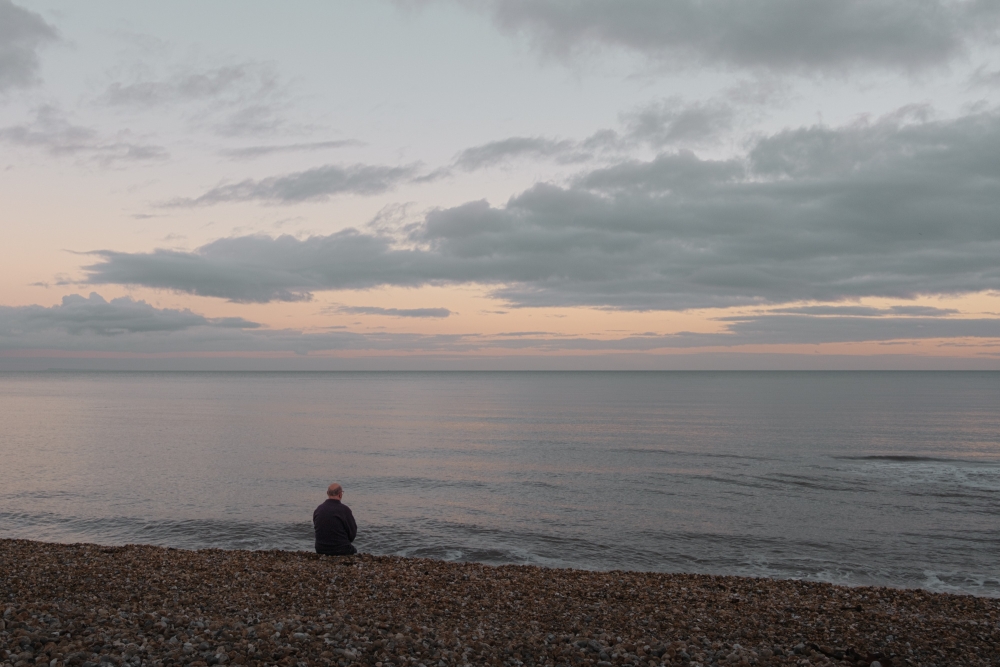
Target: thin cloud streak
point(232, 83)
point(394, 312)
point(125, 326)
point(243, 99)
point(496, 152)
point(318, 184)
point(670, 122)
point(868, 311)
point(253, 152)
point(52, 132)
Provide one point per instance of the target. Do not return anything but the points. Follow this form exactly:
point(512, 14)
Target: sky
point(487, 184)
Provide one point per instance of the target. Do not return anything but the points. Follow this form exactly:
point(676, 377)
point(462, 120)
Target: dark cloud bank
point(895, 208)
point(79, 315)
point(22, 33)
point(119, 325)
point(778, 35)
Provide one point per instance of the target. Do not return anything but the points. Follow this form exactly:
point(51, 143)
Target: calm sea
point(854, 478)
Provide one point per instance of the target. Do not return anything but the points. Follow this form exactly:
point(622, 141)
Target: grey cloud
point(245, 99)
point(869, 311)
point(495, 152)
point(51, 131)
point(785, 35)
point(922, 311)
point(22, 33)
point(124, 326)
point(316, 184)
point(394, 312)
point(251, 120)
point(895, 209)
point(803, 329)
point(670, 172)
point(435, 175)
point(232, 323)
point(669, 122)
point(251, 152)
point(235, 82)
point(985, 77)
point(672, 122)
point(78, 315)
point(768, 330)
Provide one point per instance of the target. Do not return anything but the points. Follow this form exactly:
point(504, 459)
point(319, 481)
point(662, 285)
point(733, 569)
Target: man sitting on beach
point(334, 524)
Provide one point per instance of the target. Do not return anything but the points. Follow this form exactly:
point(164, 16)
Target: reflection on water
point(886, 478)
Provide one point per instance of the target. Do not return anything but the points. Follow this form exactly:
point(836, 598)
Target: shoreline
point(85, 605)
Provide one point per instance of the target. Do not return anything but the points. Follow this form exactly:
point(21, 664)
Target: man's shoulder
point(334, 507)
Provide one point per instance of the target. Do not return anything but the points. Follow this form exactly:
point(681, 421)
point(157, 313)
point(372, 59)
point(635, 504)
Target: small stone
point(460, 613)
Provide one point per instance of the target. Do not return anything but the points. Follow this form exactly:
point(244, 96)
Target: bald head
point(334, 491)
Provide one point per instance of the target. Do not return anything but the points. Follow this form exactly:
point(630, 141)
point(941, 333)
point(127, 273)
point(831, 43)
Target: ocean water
point(853, 478)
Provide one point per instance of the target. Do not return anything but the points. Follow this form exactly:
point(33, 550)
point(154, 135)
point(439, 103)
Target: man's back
point(335, 528)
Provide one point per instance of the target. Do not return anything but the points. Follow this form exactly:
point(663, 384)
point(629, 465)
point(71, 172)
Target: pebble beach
point(85, 605)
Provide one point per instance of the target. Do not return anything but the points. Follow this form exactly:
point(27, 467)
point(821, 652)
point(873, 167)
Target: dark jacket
point(335, 528)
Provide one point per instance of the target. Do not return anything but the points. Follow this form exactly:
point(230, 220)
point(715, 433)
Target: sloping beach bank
point(84, 605)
